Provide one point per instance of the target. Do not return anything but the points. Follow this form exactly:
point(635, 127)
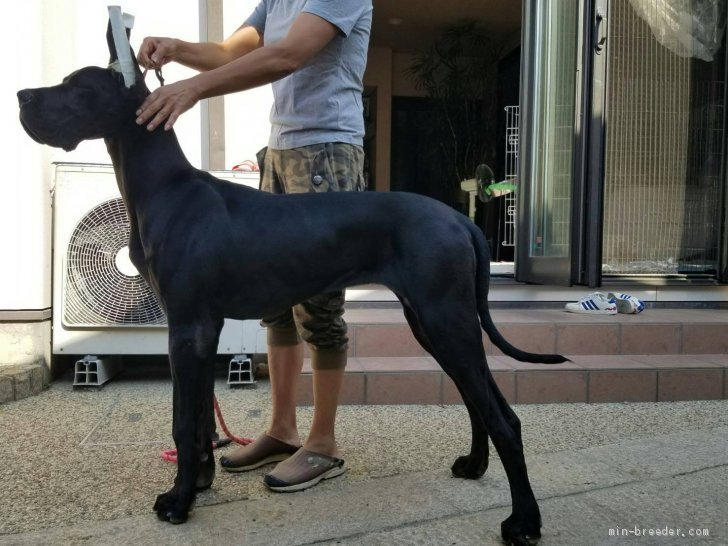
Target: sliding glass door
point(664, 182)
point(548, 106)
point(623, 140)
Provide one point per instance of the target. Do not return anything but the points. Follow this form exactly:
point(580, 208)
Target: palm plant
point(459, 70)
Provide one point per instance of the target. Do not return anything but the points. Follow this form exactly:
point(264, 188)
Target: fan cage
point(95, 292)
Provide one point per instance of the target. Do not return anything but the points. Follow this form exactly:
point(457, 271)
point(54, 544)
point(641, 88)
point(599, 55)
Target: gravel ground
point(70, 456)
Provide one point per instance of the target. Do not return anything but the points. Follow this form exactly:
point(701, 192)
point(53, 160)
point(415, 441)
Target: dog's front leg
point(191, 350)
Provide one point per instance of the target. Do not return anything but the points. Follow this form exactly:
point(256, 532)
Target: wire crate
point(511, 174)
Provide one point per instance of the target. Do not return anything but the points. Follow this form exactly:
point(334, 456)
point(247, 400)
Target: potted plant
point(459, 71)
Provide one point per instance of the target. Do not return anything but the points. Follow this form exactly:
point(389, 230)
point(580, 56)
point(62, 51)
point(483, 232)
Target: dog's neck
point(145, 162)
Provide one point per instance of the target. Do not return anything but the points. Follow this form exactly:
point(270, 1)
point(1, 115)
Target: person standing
point(314, 53)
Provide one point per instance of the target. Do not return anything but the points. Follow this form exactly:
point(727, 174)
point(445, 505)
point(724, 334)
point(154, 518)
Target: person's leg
point(301, 171)
point(284, 366)
point(326, 389)
point(319, 458)
point(281, 439)
point(321, 325)
point(285, 348)
point(328, 167)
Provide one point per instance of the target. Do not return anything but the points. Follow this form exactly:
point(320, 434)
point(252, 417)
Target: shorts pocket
point(322, 172)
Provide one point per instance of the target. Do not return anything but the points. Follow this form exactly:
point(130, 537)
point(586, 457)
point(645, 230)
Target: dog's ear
point(113, 56)
point(120, 61)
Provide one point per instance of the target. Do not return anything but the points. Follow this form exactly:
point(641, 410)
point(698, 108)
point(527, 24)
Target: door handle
point(600, 31)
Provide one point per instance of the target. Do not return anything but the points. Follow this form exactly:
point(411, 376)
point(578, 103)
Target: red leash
point(171, 454)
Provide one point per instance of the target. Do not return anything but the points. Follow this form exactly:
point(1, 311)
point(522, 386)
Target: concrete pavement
point(82, 467)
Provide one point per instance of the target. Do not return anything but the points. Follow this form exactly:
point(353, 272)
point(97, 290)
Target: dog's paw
point(469, 467)
point(174, 505)
point(521, 530)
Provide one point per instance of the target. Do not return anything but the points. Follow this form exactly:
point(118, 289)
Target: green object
point(500, 188)
point(487, 187)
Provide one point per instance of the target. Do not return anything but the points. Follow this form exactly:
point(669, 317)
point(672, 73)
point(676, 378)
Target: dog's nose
point(25, 96)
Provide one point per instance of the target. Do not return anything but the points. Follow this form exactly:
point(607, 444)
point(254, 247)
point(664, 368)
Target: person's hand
point(156, 52)
point(166, 104)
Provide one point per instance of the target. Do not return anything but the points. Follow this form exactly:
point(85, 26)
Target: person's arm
point(156, 52)
point(307, 36)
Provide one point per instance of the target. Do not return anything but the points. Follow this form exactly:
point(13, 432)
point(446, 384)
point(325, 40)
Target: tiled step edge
point(591, 378)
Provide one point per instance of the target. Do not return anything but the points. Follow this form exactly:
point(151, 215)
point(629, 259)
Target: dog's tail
point(482, 278)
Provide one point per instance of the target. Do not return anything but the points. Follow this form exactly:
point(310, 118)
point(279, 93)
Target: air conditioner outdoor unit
point(101, 305)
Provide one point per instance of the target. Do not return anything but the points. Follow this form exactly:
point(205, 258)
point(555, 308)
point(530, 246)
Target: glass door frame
point(722, 275)
point(589, 159)
point(582, 265)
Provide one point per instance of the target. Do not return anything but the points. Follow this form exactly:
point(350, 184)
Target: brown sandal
point(303, 470)
point(264, 450)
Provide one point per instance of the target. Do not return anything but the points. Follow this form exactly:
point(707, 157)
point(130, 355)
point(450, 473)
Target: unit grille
point(101, 286)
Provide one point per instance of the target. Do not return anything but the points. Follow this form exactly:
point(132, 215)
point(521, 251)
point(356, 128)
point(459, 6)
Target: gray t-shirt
point(322, 100)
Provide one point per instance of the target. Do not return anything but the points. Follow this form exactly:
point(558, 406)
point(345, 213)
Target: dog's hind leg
point(192, 348)
point(459, 350)
point(473, 465)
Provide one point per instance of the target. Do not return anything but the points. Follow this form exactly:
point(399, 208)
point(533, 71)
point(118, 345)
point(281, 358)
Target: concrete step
point(384, 332)
point(658, 355)
point(588, 378)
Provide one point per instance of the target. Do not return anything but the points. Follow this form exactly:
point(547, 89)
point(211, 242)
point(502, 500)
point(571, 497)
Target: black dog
point(212, 249)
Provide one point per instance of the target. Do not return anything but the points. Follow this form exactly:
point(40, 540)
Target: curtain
point(688, 28)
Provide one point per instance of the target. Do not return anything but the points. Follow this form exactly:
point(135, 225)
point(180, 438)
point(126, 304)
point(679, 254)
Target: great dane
point(211, 249)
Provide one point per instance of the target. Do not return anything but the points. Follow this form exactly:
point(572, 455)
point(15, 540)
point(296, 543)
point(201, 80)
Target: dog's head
point(90, 103)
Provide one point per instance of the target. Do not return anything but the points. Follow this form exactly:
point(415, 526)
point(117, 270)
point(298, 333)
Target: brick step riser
point(533, 386)
point(396, 340)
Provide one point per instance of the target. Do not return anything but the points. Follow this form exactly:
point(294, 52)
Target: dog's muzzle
point(25, 99)
point(36, 123)
point(25, 96)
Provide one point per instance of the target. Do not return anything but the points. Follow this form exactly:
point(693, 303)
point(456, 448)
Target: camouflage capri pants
point(317, 168)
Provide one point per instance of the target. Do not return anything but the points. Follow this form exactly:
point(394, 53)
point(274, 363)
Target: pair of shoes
point(299, 468)
point(302, 470)
point(599, 303)
point(628, 304)
point(594, 304)
point(264, 450)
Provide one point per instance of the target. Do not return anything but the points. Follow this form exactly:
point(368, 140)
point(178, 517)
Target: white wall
point(24, 199)
point(50, 39)
point(247, 124)
point(45, 41)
